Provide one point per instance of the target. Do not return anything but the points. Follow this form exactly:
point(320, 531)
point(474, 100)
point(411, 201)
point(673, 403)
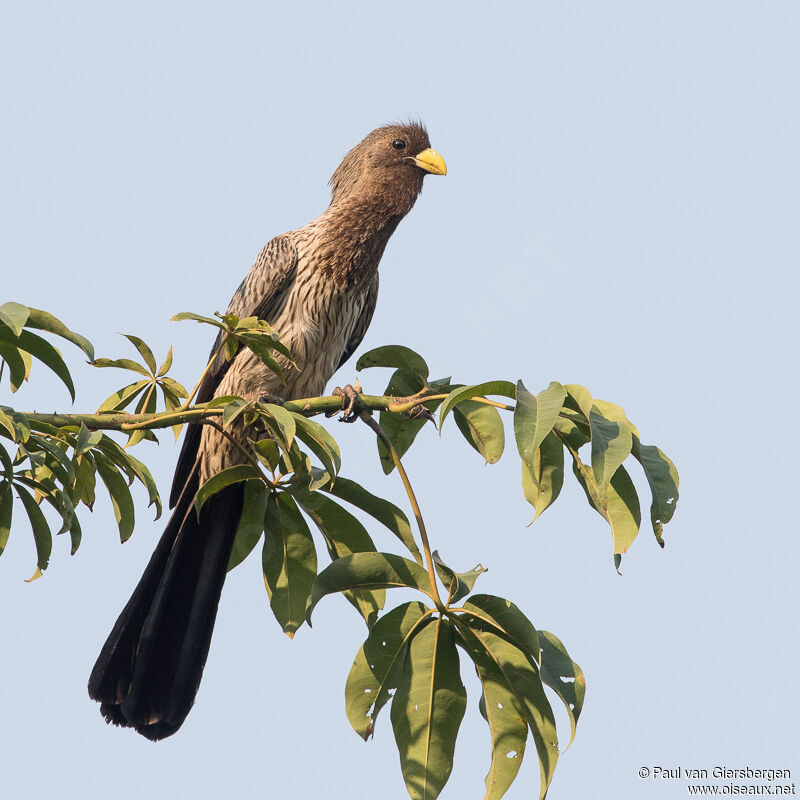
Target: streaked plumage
point(317, 286)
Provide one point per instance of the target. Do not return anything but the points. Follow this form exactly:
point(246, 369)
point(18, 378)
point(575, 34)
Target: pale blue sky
point(621, 211)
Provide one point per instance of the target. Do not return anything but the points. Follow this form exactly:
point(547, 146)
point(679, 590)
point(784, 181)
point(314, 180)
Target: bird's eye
point(399, 144)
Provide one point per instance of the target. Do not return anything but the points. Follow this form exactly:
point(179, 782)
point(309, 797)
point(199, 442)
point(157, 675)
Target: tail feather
point(149, 669)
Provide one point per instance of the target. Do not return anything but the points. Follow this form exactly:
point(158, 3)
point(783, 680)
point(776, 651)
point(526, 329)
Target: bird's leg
point(349, 395)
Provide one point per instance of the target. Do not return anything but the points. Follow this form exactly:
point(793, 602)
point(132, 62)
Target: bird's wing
point(261, 294)
point(362, 323)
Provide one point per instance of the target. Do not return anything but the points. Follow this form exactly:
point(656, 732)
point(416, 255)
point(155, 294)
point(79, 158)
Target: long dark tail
point(149, 669)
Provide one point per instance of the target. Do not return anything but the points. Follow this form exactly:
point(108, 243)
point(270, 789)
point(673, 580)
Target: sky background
point(621, 211)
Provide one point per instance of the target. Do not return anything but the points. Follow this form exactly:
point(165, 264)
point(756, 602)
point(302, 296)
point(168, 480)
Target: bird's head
point(388, 166)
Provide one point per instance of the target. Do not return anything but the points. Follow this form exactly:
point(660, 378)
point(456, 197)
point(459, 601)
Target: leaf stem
point(426, 547)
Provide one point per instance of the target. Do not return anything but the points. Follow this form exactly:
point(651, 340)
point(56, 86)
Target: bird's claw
point(349, 395)
point(420, 412)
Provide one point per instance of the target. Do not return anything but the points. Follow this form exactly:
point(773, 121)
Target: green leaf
point(75, 535)
point(226, 477)
point(166, 364)
point(84, 486)
point(281, 421)
point(504, 388)
point(123, 397)
point(401, 429)
point(289, 561)
point(86, 440)
point(543, 478)
point(344, 534)
point(146, 479)
point(663, 479)
point(506, 619)
point(320, 442)
point(14, 315)
point(251, 523)
point(42, 320)
point(521, 676)
point(620, 507)
point(119, 493)
point(394, 355)
point(368, 571)
point(612, 440)
point(458, 584)
point(534, 417)
point(382, 510)
point(48, 355)
point(41, 530)
point(427, 710)
point(267, 452)
point(563, 676)
point(507, 726)
point(121, 363)
point(144, 351)
point(184, 315)
point(174, 387)
point(233, 409)
point(7, 424)
point(18, 364)
point(376, 668)
point(263, 348)
point(6, 509)
point(482, 428)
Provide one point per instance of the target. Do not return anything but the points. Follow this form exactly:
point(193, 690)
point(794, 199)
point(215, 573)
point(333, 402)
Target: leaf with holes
point(563, 676)
point(427, 710)
point(376, 668)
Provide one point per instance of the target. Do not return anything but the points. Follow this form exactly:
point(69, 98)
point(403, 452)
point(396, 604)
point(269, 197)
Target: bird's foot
point(272, 398)
point(349, 395)
point(420, 412)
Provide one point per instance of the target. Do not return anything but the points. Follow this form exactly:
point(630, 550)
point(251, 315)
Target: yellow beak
point(431, 161)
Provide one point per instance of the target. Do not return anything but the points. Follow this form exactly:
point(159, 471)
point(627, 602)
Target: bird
point(317, 287)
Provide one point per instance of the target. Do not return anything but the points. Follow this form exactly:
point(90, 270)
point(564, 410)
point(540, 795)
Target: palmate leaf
point(506, 619)
point(376, 668)
point(427, 710)
point(367, 571)
point(289, 561)
point(320, 442)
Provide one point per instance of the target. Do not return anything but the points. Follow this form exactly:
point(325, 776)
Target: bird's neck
point(350, 237)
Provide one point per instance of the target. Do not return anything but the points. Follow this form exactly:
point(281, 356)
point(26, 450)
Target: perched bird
point(317, 287)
